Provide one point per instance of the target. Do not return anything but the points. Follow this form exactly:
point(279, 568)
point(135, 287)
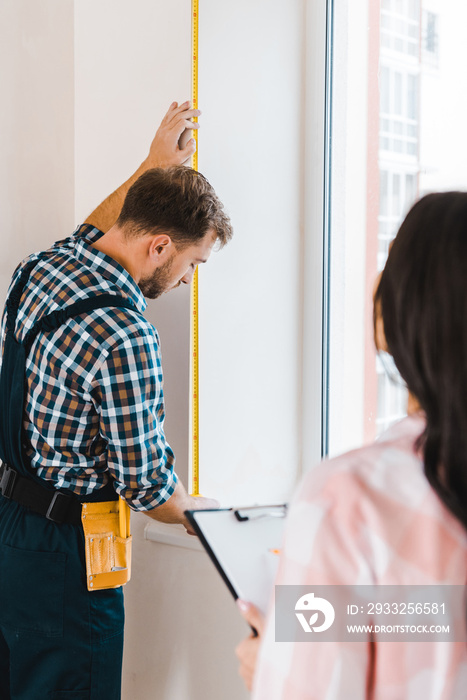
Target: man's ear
point(160, 248)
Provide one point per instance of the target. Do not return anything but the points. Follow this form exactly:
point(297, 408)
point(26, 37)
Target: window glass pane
point(385, 89)
point(397, 93)
point(412, 96)
point(410, 191)
point(396, 194)
point(413, 9)
point(383, 199)
point(398, 130)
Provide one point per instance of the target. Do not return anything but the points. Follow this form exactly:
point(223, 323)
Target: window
point(398, 190)
point(398, 121)
point(399, 111)
point(430, 38)
point(400, 26)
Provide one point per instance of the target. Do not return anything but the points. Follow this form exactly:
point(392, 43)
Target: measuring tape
point(194, 342)
point(194, 77)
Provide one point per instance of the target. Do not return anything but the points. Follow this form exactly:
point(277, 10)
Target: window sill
point(174, 535)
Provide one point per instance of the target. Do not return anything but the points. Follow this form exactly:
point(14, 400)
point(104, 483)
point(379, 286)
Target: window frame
point(316, 249)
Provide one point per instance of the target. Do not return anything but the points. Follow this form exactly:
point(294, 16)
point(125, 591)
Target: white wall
point(36, 128)
point(87, 84)
point(131, 62)
point(250, 148)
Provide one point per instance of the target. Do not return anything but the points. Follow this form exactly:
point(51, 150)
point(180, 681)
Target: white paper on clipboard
point(243, 545)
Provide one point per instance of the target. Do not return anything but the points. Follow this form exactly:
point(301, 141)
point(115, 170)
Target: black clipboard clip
point(242, 517)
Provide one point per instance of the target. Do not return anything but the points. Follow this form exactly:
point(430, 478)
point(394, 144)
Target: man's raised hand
point(165, 149)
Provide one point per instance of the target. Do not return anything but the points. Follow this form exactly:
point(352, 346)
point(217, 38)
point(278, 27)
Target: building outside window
point(397, 133)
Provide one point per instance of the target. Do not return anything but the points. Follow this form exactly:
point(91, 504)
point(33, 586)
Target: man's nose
point(188, 276)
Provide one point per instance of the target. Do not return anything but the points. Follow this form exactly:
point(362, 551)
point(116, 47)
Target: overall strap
point(82, 306)
point(56, 318)
point(14, 298)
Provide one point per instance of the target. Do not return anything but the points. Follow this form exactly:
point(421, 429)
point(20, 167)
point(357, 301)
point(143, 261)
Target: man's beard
point(157, 283)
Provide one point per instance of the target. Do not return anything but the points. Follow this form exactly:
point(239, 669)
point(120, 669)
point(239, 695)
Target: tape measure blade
point(194, 399)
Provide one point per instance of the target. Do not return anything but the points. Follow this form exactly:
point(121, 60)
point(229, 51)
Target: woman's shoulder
point(391, 464)
point(374, 509)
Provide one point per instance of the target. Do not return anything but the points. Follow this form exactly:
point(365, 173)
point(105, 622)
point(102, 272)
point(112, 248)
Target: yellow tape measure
point(194, 77)
point(194, 284)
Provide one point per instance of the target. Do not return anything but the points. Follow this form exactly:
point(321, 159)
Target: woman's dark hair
point(178, 201)
point(422, 299)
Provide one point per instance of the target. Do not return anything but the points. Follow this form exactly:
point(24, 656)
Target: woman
point(394, 512)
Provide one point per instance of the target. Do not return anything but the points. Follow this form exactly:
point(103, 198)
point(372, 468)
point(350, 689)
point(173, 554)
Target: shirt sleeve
point(128, 392)
point(322, 546)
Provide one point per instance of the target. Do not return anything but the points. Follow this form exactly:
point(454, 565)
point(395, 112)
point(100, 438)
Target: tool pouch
point(107, 539)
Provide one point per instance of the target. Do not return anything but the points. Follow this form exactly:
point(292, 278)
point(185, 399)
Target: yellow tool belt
point(107, 538)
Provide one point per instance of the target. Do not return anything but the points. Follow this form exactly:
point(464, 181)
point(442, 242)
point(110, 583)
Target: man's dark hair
point(422, 298)
point(178, 201)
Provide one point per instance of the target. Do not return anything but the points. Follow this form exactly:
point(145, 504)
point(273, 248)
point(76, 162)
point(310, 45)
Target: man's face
point(179, 268)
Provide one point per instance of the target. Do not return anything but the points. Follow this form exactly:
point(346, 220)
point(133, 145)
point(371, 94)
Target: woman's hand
point(247, 651)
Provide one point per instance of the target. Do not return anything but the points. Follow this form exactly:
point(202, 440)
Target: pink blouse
point(368, 517)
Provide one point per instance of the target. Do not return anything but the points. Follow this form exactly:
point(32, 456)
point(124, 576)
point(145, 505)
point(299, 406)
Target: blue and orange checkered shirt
point(94, 408)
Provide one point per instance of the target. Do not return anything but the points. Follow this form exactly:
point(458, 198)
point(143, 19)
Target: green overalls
point(58, 641)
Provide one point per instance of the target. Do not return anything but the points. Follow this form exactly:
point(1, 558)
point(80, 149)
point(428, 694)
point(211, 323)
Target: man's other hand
point(165, 149)
point(199, 503)
point(173, 510)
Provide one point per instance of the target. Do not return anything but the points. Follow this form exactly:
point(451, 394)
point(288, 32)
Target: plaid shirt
point(368, 517)
point(95, 403)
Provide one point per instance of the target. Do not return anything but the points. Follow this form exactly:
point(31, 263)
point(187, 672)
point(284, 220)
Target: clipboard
point(244, 544)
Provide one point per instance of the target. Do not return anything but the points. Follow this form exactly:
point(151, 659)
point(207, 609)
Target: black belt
point(58, 506)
